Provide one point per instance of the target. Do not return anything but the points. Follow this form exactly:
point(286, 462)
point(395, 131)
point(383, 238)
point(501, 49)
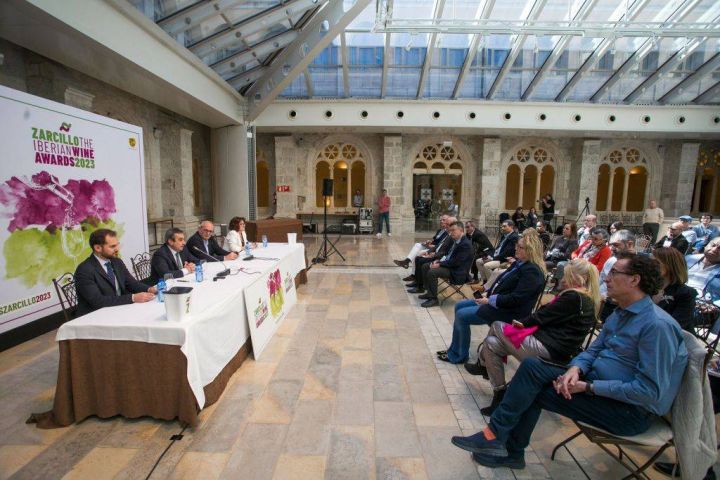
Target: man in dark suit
point(454, 266)
point(103, 280)
point(512, 295)
point(172, 257)
point(674, 238)
point(426, 246)
point(204, 241)
point(481, 246)
point(416, 280)
point(505, 250)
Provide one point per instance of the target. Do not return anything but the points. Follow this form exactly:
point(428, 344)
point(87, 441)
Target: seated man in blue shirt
point(704, 272)
point(630, 374)
point(705, 232)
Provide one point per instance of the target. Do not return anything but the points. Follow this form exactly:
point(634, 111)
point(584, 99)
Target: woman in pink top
point(384, 211)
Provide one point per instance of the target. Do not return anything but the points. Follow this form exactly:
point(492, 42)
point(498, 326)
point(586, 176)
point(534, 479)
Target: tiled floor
point(347, 389)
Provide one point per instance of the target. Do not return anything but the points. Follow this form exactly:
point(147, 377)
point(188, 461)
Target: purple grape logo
point(50, 224)
point(65, 127)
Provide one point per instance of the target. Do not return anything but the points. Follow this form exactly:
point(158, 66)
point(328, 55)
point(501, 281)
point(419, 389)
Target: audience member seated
point(674, 238)
point(481, 247)
point(595, 250)
point(705, 232)
point(529, 234)
point(562, 246)
point(620, 241)
point(454, 266)
point(505, 249)
point(589, 224)
point(532, 217)
point(416, 279)
point(615, 226)
point(172, 257)
point(513, 295)
point(426, 246)
point(236, 238)
point(518, 219)
point(629, 375)
point(544, 235)
point(203, 242)
point(103, 280)
point(555, 332)
point(675, 298)
point(704, 272)
point(687, 230)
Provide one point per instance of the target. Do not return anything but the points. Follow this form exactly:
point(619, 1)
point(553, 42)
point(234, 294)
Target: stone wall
point(171, 142)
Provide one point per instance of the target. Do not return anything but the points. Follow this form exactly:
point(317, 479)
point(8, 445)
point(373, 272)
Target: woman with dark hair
point(519, 218)
point(236, 238)
point(675, 298)
point(615, 226)
point(561, 248)
point(532, 217)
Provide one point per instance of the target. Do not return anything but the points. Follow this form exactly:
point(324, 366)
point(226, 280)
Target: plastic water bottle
point(247, 249)
point(264, 241)
point(199, 273)
point(161, 286)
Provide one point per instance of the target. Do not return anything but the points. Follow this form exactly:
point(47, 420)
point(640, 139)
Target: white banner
point(268, 300)
point(65, 173)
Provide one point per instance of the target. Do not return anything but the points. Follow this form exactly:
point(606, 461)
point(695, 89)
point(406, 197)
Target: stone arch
point(628, 156)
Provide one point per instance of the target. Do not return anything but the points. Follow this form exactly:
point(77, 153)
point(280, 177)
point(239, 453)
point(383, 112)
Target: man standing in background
point(384, 210)
point(652, 218)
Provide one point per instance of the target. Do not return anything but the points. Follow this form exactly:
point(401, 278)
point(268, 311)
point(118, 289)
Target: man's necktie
point(111, 275)
point(178, 260)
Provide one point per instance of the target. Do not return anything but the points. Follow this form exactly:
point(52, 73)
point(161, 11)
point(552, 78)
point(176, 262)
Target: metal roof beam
point(437, 11)
point(706, 69)
point(226, 67)
point(246, 78)
point(345, 68)
point(195, 14)
point(601, 49)
point(298, 55)
point(386, 61)
point(515, 49)
point(707, 95)
point(558, 50)
point(251, 25)
point(677, 16)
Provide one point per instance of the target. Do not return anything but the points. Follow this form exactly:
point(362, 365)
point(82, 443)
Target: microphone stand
point(222, 274)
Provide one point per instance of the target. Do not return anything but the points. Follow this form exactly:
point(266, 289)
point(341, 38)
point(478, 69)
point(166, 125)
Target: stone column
point(589, 173)
point(680, 205)
point(398, 185)
point(611, 183)
point(521, 189)
point(228, 149)
point(492, 194)
point(177, 177)
point(286, 174)
point(626, 184)
point(153, 174)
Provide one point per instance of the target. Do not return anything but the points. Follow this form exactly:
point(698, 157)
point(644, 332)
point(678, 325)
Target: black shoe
point(416, 290)
point(666, 468)
point(443, 356)
point(409, 278)
point(516, 462)
point(442, 352)
point(402, 263)
point(430, 303)
point(425, 296)
point(476, 368)
point(497, 398)
point(411, 285)
point(477, 443)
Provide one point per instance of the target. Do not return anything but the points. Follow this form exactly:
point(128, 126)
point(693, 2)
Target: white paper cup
point(292, 238)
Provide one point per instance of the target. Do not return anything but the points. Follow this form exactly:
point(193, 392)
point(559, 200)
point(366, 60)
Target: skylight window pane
point(403, 82)
point(297, 87)
point(365, 81)
point(326, 81)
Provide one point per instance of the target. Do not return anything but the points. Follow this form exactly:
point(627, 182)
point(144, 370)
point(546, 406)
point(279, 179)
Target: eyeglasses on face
point(614, 272)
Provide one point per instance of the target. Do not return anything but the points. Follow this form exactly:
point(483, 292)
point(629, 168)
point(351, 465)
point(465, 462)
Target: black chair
point(706, 324)
point(455, 287)
point(141, 266)
point(65, 288)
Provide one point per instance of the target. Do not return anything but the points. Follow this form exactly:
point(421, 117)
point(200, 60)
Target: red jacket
point(383, 204)
point(598, 260)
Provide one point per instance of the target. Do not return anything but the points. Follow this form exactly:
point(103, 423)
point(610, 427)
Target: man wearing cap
point(688, 231)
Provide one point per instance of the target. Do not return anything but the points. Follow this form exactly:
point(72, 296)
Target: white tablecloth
point(216, 329)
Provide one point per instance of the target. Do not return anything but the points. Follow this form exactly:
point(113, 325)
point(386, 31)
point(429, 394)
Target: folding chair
point(456, 288)
point(65, 288)
point(141, 266)
point(643, 243)
point(706, 324)
point(659, 435)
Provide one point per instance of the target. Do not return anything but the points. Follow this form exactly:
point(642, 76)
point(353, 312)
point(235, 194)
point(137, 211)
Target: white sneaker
point(389, 234)
point(379, 235)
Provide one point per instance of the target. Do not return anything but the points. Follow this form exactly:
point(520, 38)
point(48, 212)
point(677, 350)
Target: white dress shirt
point(235, 241)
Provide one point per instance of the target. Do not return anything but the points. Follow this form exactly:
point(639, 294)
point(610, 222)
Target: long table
point(129, 360)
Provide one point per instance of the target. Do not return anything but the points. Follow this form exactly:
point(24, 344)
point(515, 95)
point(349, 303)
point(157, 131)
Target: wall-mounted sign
point(282, 188)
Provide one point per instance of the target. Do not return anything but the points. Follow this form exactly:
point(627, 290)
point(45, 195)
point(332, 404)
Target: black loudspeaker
point(327, 187)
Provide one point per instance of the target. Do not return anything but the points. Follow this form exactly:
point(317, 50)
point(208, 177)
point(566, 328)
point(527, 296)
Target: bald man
point(203, 244)
point(674, 238)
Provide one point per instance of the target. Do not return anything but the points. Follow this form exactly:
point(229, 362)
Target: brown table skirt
point(132, 379)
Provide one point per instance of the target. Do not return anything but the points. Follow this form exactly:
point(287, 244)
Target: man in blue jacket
point(454, 266)
point(628, 376)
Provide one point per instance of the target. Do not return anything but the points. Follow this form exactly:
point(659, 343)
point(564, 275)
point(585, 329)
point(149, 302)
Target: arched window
point(622, 181)
point(437, 175)
point(529, 176)
point(345, 165)
point(263, 184)
point(706, 196)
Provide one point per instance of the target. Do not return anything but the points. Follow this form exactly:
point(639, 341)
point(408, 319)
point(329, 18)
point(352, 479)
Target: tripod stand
point(585, 210)
point(327, 247)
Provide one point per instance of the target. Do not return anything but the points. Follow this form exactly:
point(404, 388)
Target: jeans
point(384, 217)
point(531, 391)
point(467, 313)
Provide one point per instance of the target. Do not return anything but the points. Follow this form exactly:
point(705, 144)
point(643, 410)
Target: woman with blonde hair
point(533, 252)
point(555, 332)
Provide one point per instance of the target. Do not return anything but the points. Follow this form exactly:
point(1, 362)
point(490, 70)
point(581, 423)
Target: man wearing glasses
point(628, 376)
point(204, 240)
point(674, 238)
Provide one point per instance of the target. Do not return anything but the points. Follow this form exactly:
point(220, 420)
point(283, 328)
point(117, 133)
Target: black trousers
point(419, 262)
point(651, 230)
point(431, 276)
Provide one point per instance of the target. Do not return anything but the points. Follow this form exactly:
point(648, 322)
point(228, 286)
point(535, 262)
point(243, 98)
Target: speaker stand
point(327, 247)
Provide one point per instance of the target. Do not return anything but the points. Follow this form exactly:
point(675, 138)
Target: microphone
point(222, 274)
